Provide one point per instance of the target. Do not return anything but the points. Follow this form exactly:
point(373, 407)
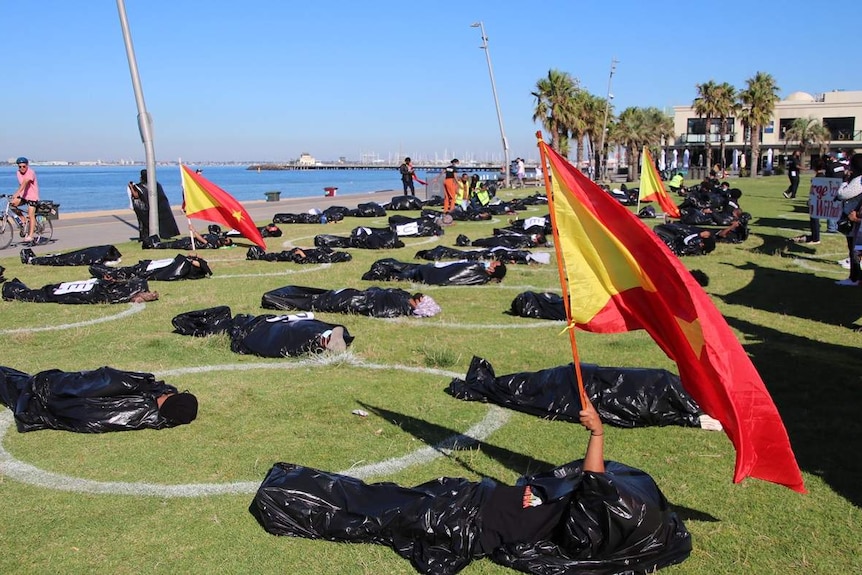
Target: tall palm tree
point(706, 105)
point(757, 105)
point(593, 112)
point(808, 132)
point(726, 106)
point(628, 130)
point(554, 95)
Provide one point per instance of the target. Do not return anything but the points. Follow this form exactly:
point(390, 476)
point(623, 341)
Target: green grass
point(779, 298)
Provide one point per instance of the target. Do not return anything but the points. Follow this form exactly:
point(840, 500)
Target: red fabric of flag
point(203, 200)
point(620, 276)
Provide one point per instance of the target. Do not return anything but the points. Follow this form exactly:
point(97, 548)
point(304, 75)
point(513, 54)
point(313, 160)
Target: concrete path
point(81, 230)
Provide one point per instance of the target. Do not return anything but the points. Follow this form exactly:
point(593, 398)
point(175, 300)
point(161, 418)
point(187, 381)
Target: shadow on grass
point(797, 294)
point(779, 223)
point(433, 434)
point(815, 386)
point(772, 245)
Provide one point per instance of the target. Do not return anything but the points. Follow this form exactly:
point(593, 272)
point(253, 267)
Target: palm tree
point(706, 105)
point(726, 106)
point(638, 127)
point(757, 105)
point(808, 132)
point(593, 112)
point(554, 96)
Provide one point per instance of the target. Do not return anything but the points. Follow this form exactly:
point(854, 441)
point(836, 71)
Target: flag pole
point(188, 219)
point(570, 328)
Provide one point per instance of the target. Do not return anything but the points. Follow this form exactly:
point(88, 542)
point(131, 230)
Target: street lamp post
point(603, 160)
point(145, 122)
point(484, 46)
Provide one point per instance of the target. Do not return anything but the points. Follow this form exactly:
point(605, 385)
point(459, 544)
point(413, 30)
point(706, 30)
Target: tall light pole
point(484, 47)
point(145, 122)
point(603, 160)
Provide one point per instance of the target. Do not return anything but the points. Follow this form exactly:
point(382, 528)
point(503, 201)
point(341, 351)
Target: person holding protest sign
point(851, 194)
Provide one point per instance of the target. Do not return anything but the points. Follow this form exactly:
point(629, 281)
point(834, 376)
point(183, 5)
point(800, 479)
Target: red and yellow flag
point(619, 276)
point(652, 189)
point(203, 200)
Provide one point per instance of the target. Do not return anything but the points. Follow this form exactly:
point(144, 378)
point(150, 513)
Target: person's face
point(22, 168)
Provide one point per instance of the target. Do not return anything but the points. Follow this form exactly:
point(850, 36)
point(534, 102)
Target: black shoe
point(27, 255)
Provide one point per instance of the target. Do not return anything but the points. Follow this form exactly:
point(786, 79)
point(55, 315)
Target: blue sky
point(268, 80)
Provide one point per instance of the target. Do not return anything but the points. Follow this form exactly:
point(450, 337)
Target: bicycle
point(12, 217)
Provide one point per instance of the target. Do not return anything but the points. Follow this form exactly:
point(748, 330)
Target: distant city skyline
point(274, 80)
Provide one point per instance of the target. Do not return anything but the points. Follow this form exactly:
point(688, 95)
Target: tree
point(757, 105)
point(554, 107)
point(706, 105)
point(726, 106)
point(808, 132)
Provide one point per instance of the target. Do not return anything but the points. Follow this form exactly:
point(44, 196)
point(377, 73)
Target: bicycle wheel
point(44, 230)
point(7, 231)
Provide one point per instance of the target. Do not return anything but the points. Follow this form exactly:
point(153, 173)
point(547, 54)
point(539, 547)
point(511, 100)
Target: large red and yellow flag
point(652, 189)
point(203, 200)
point(619, 276)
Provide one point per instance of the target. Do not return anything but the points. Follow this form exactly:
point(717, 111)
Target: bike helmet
point(22, 160)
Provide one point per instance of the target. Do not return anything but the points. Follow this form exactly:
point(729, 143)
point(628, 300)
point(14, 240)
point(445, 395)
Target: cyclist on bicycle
point(27, 193)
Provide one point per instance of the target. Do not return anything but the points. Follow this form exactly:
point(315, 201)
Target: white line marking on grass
point(281, 273)
point(132, 309)
point(494, 419)
point(418, 322)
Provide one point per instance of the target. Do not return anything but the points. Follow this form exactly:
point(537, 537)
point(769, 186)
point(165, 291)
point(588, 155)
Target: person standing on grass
point(450, 185)
point(407, 175)
point(851, 194)
point(794, 165)
point(27, 193)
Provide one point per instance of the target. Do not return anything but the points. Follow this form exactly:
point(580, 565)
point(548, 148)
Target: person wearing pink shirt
point(27, 193)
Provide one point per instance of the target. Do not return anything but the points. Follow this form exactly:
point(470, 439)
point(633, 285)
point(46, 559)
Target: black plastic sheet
point(623, 396)
point(89, 291)
point(363, 238)
point(368, 210)
point(505, 255)
point(374, 301)
point(414, 227)
point(93, 401)
point(612, 522)
point(453, 273)
point(279, 336)
point(544, 305)
point(685, 240)
point(81, 257)
point(299, 255)
point(262, 335)
point(180, 267)
point(398, 203)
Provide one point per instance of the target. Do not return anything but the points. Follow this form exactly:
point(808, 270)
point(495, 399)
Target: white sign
point(821, 198)
point(76, 287)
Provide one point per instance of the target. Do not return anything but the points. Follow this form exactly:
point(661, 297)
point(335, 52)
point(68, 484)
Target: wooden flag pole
point(570, 328)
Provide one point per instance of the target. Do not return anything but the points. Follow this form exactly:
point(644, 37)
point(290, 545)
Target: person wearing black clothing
point(793, 167)
point(407, 175)
point(141, 205)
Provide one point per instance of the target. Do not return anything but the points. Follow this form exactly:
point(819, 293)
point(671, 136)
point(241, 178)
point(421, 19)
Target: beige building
point(840, 111)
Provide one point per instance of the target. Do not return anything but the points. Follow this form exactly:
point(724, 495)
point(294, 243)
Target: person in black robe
point(141, 205)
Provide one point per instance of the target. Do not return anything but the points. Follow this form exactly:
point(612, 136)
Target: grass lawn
point(780, 299)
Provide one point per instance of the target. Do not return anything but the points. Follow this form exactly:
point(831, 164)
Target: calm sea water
point(92, 188)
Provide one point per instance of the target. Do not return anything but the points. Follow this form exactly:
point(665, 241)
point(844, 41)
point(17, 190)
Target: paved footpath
point(81, 230)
